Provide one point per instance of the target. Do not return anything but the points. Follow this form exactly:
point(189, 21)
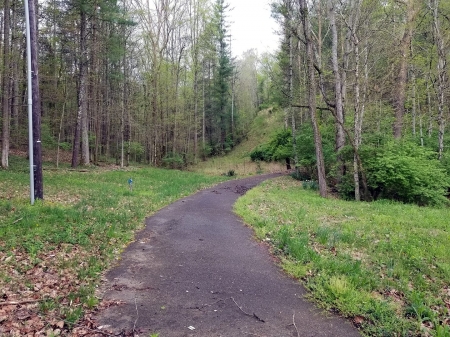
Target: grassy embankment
point(52, 254)
point(385, 265)
point(238, 160)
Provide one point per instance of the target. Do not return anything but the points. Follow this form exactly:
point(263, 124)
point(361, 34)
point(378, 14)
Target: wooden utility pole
point(36, 99)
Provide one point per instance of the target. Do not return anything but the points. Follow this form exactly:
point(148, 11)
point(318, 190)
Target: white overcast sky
point(252, 26)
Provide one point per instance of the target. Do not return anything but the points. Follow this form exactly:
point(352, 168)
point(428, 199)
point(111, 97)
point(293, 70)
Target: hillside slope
point(238, 160)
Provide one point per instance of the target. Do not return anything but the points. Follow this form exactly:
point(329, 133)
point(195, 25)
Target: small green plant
point(91, 302)
point(47, 305)
point(72, 315)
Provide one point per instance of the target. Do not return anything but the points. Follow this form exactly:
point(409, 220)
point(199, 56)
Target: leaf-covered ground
point(53, 254)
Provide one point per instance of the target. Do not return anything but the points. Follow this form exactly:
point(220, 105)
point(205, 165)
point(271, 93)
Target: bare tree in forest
point(81, 128)
point(441, 74)
point(6, 84)
point(312, 105)
point(338, 84)
point(402, 76)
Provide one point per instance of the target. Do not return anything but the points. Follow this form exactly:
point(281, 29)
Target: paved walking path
point(195, 270)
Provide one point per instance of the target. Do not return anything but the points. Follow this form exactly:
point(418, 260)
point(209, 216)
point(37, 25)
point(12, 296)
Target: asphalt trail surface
point(195, 270)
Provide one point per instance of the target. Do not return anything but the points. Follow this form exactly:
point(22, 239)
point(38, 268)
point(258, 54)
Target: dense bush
point(277, 149)
point(402, 171)
point(406, 172)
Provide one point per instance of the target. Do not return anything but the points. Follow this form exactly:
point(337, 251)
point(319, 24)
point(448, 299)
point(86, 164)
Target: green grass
point(86, 219)
point(384, 264)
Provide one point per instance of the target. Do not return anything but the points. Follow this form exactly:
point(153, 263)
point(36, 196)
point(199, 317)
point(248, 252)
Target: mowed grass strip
point(55, 251)
point(384, 264)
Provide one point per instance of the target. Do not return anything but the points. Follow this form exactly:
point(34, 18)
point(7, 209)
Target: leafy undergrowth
point(384, 265)
point(52, 254)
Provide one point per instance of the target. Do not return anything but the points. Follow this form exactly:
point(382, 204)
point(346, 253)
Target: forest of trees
point(152, 82)
point(155, 82)
point(364, 86)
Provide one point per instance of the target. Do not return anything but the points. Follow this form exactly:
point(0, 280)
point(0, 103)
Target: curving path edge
point(195, 270)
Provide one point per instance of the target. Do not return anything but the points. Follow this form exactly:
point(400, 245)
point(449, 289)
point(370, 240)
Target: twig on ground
point(229, 298)
point(19, 302)
point(251, 315)
point(14, 222)
point(295, 326)
point(137, 314)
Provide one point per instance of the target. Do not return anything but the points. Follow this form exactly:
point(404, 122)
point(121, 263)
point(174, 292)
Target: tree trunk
point(358, 118)
point(339, 104)
point(442, 76)
point(312, 99)
point(82, 96)
point(16, 57)
point(292, 111)
point(5, 85)
point(63, 112)
point(402, 77)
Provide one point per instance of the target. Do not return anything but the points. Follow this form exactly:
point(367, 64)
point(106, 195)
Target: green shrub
point(136, 151)
point(174, 160)
point(406, 172)
point(260, 153)
point(206, 151)
point(47, 139)
point(66, 146)
point(279, 148)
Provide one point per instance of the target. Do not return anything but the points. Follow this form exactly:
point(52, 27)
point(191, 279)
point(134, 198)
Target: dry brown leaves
point(27, 284)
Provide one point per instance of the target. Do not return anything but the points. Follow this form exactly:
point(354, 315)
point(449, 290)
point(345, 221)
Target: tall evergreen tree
point(222, 77)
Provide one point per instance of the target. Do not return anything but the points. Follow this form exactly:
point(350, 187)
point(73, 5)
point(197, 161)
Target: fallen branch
point(251, 315)
point(13, 223)
point(229, 298)
point(18, 302)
